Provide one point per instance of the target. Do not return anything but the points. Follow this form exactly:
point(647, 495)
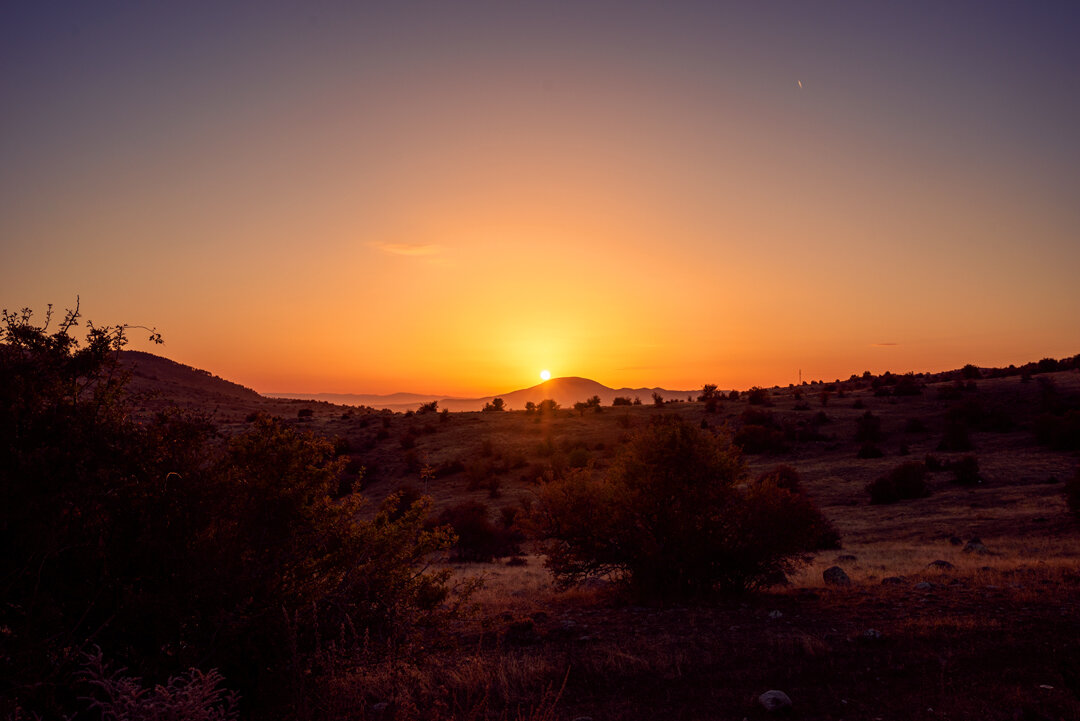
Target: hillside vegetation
point(882, 547)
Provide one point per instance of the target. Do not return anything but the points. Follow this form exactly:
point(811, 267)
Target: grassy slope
point(994, 638)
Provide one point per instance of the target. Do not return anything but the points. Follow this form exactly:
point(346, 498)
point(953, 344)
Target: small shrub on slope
point(904, 482)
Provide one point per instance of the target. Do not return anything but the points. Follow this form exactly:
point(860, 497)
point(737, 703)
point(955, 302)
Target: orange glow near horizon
point(437, 203)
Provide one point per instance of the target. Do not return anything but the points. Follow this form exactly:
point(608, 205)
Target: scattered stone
point(893, 581)
point(924, 586)
point(871, 635)
point(942, 565)
point(773, 701)
point(835, 576)
point(975, 547)
point(846, 558)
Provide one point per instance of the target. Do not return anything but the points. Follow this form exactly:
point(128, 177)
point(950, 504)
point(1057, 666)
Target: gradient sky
point(448, 197)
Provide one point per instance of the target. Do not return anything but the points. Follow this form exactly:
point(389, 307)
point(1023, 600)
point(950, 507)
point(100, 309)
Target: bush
point(547, 406)
point(759, 397)
point(907, 386)
point(673, 517)
point(970, 372)
point(868, 428)
point(966, 471)
point(621, 401)
point(783, 476)
point(172, 550)
point(1072, 493)
point(478, 539)
point(904, 482)
point(933, 463)
point(1061, 432)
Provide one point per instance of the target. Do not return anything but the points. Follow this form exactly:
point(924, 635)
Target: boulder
point(835, 576)
point(940, 565)
point(773, 701)
point(976, 547)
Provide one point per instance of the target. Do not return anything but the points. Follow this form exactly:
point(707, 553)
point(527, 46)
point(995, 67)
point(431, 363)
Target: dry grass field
point(991, 633)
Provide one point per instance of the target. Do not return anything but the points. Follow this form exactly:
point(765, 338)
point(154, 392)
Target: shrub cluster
point(478, 539)
point(966, 471)
point(673, 517)
point(171, 549)
point(906, 481)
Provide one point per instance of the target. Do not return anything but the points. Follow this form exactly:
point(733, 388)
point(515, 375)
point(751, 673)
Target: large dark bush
point(478, 538)
point(906, 481)
point(673, 517)
point(170, 549)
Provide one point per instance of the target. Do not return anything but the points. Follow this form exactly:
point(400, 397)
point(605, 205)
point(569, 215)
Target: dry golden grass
point(982, 642)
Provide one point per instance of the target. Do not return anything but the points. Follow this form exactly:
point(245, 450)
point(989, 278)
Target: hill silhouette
point(159, 382)
point(565, 391)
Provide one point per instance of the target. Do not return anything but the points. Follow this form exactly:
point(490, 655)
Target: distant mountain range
point(564, 391)
point(184, 385)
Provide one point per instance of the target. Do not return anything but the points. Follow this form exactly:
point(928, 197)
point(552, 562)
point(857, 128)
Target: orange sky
point(449, 202)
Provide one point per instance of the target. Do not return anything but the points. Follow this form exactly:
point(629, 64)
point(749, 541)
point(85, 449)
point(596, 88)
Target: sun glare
point(545, 375)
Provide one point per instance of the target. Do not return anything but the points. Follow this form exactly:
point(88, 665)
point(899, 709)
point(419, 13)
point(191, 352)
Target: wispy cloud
point(411, 249)
point(883, 345)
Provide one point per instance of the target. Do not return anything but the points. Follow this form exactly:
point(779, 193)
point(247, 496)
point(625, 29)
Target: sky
point(450, 197)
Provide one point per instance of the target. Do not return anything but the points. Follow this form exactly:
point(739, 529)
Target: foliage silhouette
point(171, 549)
point(674, 518)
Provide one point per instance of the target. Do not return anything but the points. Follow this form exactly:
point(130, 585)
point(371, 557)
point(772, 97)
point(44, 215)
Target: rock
point(941, 565)
point(773, 701)
point(956, 541)
point(924, 586)
point(380, 707)
point(846, 558)
point(974, 547)
point(776, 614)
point(835, 576)
point(871, 634)
point(893, 581)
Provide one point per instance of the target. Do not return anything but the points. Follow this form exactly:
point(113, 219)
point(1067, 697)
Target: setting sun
point(545, 375)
